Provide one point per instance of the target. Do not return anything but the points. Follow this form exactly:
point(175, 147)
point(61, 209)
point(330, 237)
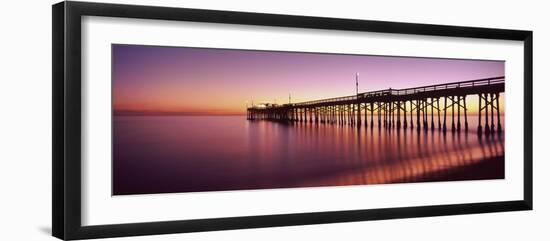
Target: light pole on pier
point(289, 99)
point(357, 83)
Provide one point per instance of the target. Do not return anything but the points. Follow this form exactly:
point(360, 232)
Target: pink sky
point(221, 81)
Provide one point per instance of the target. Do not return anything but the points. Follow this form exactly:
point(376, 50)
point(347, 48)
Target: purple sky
point(218, 81)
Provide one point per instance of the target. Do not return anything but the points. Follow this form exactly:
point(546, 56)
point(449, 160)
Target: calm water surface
point(160, 154)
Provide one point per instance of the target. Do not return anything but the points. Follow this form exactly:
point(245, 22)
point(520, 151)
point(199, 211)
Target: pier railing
point(408, 91)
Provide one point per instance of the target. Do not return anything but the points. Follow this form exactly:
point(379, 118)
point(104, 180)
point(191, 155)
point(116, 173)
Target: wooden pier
point(426, 107)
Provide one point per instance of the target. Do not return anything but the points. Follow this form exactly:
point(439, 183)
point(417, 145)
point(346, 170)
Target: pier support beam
point(366, 111)
point(404, 114)
point(445, 115)
point(458, 114)
point(438, 114)
point(485, 97)
point(425, 113)
point(418, 124)
point(358, 115)
point(398, 103)
point(411, 113)
point(492, 112)
point(372, 115)
point(465, 114)
point(432, 112)
point(499, 126)
point(453, 127)
point(479, 128)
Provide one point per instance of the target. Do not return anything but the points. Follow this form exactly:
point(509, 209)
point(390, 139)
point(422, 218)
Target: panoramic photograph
point(188, 119)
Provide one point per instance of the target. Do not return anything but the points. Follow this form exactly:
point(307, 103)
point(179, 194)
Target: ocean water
point(166, 154)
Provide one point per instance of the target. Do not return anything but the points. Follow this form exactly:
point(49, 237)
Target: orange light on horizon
point(169, 79)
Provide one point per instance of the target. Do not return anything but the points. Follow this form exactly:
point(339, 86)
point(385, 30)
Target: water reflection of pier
point(426, 107)
point(403, 156)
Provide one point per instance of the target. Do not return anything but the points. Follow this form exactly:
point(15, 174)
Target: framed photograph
point(169, 120)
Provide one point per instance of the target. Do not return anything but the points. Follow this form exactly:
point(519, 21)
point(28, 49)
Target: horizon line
point(167, 113)
point(173, 113)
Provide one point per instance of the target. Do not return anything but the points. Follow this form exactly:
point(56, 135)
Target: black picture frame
point(66, 159)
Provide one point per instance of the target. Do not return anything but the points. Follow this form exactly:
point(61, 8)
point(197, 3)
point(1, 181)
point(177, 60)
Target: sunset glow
point(200, 81)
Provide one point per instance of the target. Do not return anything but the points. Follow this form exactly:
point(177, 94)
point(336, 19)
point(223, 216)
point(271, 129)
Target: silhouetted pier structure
point(425, 107)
